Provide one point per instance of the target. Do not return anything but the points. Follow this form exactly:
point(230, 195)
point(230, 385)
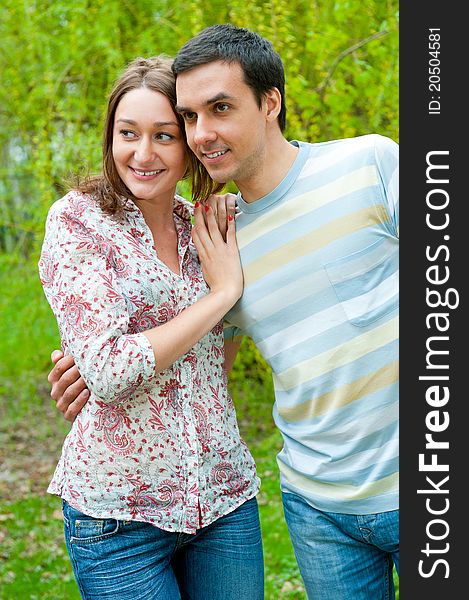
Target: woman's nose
point(145, 151)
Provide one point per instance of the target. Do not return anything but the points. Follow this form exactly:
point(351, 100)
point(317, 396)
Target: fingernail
point(196, 205)
point(207, 208)
point(230, 217)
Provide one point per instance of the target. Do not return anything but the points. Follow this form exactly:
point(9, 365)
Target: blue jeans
point(131, 560)
point(343, 557)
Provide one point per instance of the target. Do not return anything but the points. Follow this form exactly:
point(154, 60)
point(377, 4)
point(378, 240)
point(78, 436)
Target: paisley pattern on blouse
point(160, 447)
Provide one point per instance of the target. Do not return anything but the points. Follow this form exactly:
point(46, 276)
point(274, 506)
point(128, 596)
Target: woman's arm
point(222, 271)
point(69, 389)
point(99, 357)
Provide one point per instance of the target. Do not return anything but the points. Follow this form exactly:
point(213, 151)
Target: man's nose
point(204, 132)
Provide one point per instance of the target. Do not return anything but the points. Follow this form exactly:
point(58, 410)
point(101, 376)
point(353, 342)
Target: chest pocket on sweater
point(366, 282)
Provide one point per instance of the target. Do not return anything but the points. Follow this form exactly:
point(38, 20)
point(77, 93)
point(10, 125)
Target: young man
point(318, 238)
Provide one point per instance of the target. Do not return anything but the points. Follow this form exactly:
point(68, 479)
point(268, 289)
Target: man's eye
point(222, 107)
point(189, 116)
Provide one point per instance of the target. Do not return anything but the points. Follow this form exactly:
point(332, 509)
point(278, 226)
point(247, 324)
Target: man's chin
point(217, 175)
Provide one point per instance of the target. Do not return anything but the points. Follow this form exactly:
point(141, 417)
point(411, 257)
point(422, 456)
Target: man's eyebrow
point(217, 98)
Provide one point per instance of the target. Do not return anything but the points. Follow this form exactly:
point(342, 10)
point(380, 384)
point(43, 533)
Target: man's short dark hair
point(262, 66)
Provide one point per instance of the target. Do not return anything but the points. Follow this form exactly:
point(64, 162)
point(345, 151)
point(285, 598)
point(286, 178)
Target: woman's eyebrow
point(156, 123)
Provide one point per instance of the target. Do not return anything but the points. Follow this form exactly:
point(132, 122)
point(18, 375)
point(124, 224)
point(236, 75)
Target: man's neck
point(279, 158)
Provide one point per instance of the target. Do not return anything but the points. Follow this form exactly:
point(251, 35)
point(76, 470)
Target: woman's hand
point(223, 205)
point(219, 258)
point(221, 269)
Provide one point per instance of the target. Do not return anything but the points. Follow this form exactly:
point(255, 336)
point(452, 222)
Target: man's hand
point(68, 388)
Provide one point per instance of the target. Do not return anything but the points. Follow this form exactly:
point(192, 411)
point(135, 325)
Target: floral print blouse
point(160, 447)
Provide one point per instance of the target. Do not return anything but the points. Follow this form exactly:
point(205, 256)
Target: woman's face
point(148, 145)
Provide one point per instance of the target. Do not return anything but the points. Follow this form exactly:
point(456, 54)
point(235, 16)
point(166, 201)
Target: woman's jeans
point(133, 560)
point(340, 556)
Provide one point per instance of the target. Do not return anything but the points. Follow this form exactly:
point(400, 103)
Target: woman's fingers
point(214, 231)
point(223, 205)
point(61, 384)
point(206, 226)
point(206, 232)
point(200, 232)
point(75, 407)
point(230, 205)
point(231, 231)
point(218, 205)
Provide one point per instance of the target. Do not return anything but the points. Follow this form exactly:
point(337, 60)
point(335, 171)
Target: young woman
point(158, 488)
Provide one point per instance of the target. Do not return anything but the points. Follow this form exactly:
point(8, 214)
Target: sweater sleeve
point(387, 161)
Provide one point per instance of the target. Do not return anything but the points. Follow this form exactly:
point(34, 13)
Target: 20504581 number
point(434, 70)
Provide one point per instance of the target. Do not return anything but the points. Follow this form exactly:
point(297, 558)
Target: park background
point(58, 60)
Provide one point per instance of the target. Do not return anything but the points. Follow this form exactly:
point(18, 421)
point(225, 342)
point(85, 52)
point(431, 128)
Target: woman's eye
point(164, 137)
point(127, 134)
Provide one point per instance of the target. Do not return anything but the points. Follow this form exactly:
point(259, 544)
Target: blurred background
point(57, 62)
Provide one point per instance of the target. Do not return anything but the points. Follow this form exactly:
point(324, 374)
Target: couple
point(158, 488)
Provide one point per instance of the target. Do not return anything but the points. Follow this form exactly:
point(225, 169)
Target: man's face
point(225, 127)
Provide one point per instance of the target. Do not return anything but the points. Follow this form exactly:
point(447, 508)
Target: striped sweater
point(320, 261)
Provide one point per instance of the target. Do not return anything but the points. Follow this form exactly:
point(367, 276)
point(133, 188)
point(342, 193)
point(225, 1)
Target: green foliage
point(250, 365)
point(28, 333)
point(58, 60)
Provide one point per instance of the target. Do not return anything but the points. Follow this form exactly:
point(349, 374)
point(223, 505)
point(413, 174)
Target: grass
point(34, 564)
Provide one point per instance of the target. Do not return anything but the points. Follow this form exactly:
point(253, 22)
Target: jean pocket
point(366, 282)
point(84, 529)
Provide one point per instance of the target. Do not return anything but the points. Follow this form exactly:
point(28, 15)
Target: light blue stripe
point(345, 375)
point(341, 443)
point(316, 345)
point(374, 472)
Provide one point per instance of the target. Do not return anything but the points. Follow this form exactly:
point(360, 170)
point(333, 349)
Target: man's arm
point(231, 350)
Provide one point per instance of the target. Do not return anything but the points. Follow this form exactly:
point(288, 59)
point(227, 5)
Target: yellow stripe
point(339, 491)
point(305, 203)
point(308, 243)
point(339, 356)
point(343, 395)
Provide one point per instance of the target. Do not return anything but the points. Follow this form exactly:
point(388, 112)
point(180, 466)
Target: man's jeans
point(340, 556)
point(123, 560)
